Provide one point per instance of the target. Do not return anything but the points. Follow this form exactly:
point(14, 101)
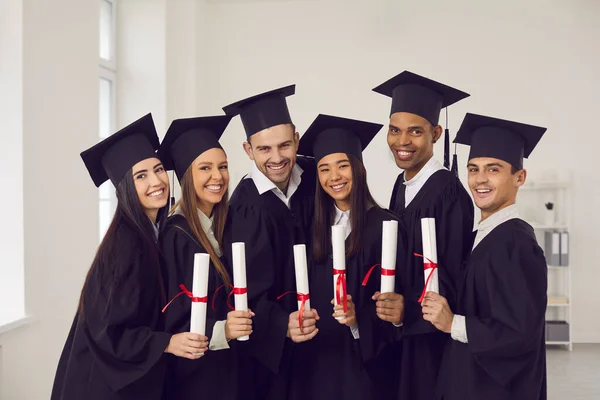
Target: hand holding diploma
point(238, 324)
point(437, 311)
point(309, 326)
point(345, 318)
point(187, 345)
point(389, 307)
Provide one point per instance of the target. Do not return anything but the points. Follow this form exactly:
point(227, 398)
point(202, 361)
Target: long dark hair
point(189, 208)
point(360, 202)
point(129, 238)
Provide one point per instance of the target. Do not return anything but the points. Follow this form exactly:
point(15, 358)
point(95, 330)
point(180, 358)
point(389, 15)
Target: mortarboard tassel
point(172, 199)
point(446, 144)
point(454, 168)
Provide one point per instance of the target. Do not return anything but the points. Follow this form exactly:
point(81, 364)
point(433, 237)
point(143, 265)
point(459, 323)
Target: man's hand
point(309, 326)
point(437, 311)
point(389, 307)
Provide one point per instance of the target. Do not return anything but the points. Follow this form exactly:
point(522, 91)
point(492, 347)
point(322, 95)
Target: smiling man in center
point(426, 189)
point(271, 210)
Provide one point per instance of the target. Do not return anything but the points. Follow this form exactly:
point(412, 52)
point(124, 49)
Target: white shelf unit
point(533, 196)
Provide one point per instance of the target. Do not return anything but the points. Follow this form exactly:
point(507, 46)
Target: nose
point(276, 157)
point(481, 177)
point(403, 139)
point(154, 180)
point(216, 174)
point(335, 175)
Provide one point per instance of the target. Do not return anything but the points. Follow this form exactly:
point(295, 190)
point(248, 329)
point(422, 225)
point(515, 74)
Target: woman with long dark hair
point(331, 365)
point(117, 341)
point(196, 225)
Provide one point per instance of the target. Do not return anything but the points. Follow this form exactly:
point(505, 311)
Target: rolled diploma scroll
point(338, 242)
point(430, 253)
point(389, 243)
point(199, 289)
point(238, 251)
point(301, 274)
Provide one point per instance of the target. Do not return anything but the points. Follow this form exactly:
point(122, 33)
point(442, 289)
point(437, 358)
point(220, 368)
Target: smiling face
point(411, 140)
point(335, 177)
point(210, 174)
point(494, 184)
point(152, 185)
point(273, 150)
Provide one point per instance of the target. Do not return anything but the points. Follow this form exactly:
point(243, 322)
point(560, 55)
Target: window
point(107, 106)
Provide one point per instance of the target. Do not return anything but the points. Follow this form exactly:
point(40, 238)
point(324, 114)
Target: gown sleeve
point(124, 349)
point(516, 284)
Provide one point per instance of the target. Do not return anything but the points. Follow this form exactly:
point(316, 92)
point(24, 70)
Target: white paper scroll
point(338, 242)
point(430, 253)
point(301, 275)
point(199, 290)
point(238, 251)
point(389, 245)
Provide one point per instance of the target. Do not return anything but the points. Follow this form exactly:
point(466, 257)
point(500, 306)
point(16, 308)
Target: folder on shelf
point(564, 249)
point(552, 248)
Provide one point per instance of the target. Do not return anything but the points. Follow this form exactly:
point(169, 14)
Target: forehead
point(273, 136)
point(333, 158)
point(404, 120)
point(214, 155)
point(483, 161)
point(147, 163)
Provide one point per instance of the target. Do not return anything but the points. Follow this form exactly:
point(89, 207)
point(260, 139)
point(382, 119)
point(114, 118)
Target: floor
point(574, 375)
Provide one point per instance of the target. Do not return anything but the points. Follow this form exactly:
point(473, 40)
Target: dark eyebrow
point(158, 165)
point(394, 127)
point(494, 165)
point(472, 165)
point(337, 162)
point(140, 171)
point(414, 127)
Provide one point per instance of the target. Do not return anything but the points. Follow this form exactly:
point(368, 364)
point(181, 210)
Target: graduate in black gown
point(117, 343)
point(497, 351)
point(332, 364)
point(425, 189)
point(271, 211)
point(196, 225)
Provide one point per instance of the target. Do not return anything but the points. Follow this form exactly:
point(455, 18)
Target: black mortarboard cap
point(418, 95)
point(498, 138)
point(264, 110)
point(113, 157)
point(187, 138)
point(328, 134)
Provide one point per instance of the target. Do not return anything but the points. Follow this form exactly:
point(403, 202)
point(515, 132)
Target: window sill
point(9, 325)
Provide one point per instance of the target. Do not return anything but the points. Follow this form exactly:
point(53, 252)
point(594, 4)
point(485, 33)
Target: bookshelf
point(534, 195)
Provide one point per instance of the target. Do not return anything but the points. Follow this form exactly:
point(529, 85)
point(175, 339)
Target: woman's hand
point(187, 345)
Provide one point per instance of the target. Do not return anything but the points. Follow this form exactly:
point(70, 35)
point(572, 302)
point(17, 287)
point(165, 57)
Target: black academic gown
point(504, 302)
point(270, 230)
point(444, 198)
point(332, 364)
point(115, 348)
point(215, 375)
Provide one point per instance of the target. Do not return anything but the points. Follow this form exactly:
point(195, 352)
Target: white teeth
point(214, 187)
point(338, 187)
point(404, 153)
point(157, 193)
point(483, 190)
point(276, 167)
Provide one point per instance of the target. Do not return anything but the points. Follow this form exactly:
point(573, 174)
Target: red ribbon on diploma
point(303, 297)
point(384, 272)
point(189, 294)
point(427, 264)
point(234, 290)
point(341, 284)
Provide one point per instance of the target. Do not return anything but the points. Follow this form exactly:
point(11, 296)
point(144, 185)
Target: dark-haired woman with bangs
point(332, 363)
point(196, 225)
point(116, 345)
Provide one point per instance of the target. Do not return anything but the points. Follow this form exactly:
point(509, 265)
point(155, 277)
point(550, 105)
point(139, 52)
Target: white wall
point(60, 119)
point(11, 159)
point(534, 61)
